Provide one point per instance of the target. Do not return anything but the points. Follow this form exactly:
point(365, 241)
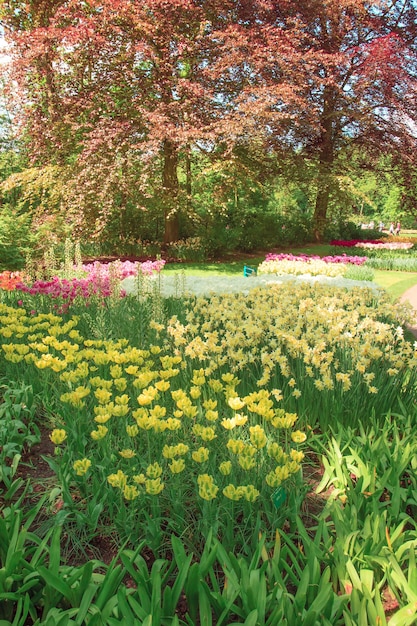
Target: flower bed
point(310, 258)
point(146, 425)
point(374, 244)
point(102, 280)
point(10, 280)
point(206, 409)
point(189, 438)
point(121, 269)
point(385, 255)
point(281, 264)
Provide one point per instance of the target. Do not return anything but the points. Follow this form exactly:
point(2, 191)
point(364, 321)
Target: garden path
point(411, 296)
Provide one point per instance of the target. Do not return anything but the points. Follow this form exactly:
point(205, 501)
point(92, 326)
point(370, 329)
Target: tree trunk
point(320, 211)
point(170, 192)
point(188, 179)
point(326, 159)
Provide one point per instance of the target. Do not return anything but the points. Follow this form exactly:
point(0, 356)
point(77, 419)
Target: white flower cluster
point(393, 245)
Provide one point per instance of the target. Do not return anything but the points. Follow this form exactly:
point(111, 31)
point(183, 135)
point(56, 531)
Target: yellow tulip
point(177, 466)
point(298, 436)
point(130, 492)
point(58, 436)
point(127, 454)
point(81, 466)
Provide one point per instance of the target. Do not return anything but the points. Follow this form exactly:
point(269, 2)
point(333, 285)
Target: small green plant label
point(278, 497)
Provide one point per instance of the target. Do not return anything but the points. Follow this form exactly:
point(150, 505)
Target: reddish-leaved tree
point(120, 92)
point(117, 90)
point(323, 77)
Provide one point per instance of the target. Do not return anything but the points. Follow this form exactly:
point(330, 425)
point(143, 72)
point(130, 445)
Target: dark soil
point(33, 464)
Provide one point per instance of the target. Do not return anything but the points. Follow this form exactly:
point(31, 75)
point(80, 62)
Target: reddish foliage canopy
point(119, 89)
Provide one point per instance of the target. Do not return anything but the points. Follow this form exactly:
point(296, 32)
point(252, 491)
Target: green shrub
point(16, 238)
point(190, 249)
point(221, 238)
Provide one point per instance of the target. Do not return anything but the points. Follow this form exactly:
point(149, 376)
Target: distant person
point(398, 228)
point(392, 229)
point(381, 226)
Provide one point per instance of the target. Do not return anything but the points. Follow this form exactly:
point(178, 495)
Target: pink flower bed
point(67, 289)
point(307, 258)
point(122, 270)
point(354, 242)
point(97, 283)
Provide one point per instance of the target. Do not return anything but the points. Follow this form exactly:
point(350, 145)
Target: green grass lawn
point(396, 283)
point(228, 268)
